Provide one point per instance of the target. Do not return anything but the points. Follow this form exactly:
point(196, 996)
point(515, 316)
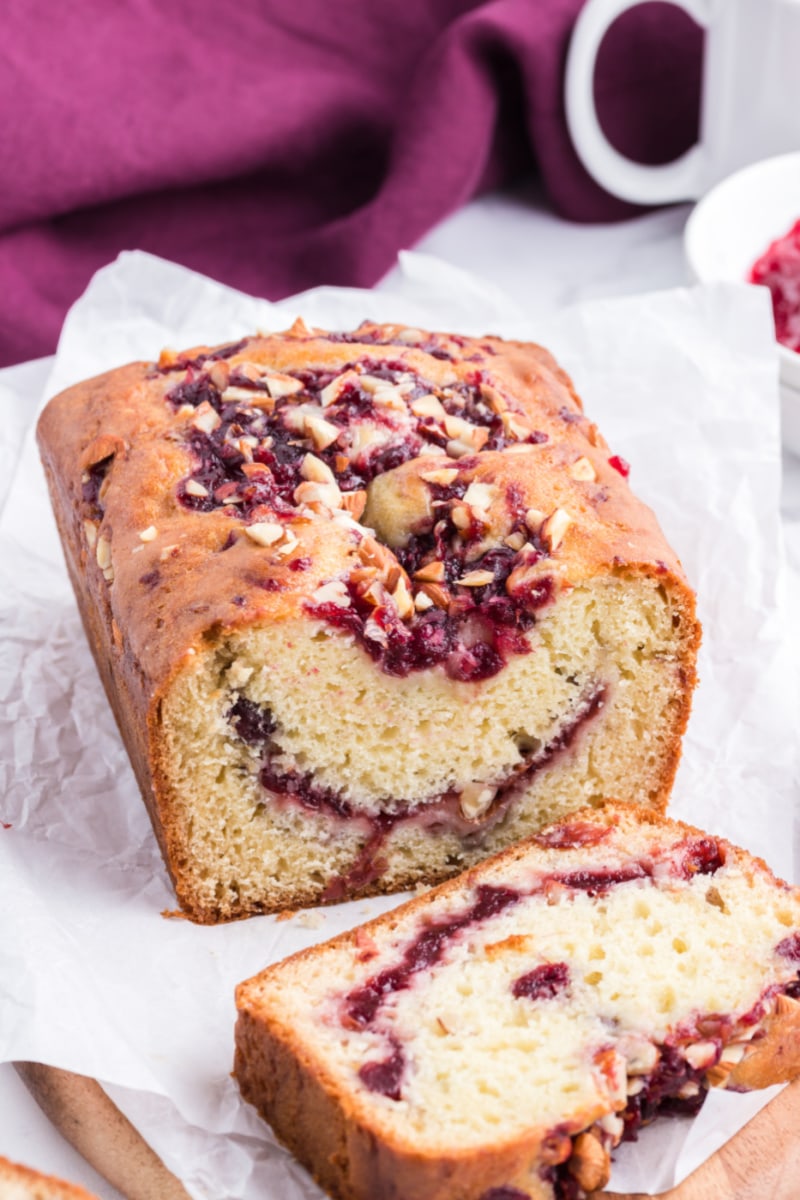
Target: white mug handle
point(683, 179)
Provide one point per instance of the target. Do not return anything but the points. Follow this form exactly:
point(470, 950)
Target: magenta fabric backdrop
point(279, 144)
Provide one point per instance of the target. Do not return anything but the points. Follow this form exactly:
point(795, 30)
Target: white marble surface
point(542, 262)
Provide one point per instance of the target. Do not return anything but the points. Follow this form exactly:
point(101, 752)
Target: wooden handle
point(761, 1161)
point(92, 1123)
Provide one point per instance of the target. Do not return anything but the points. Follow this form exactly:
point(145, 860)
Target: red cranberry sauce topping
point(779, 270)
point(181, 362)
point(267, 433)
point(620, 464)
point(91, 484)
point(543, 982)
point(472, 638)
point(249, 464)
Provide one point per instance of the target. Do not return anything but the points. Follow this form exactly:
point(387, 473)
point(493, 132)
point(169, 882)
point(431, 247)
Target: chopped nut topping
point(149, 534)
point(193, 488)
point(250, 370)
point(475, 436)
point(374, 554)
point(641, 1055)
point(239, 395)
point(461, 516)
point(422, 602)
point(251, 470)
point(321, 432)
point(732, 1054)
point(456, 448)
point(330, 394)
point(432, 572)
point(438, 594)
point(583, 469)
point(554, 528)
point(219, 373)
point(475, 800)
point(403, 599)
point(718, 1075)
point(476, 579)
point(391, 396)
point(444, 476)
point(700, 1054)
point(516, 426)
point(480, 496)
point(205, 418)
point(103, 553)
point(494, 399)
point(516, 540)
point(265, 533)
point(309, 492)
point(334, 592)
point(355, 503)
point(428, 406)
point(534, 519)
point(279, 386)
point(90, 530)
point(316, 470)
point(590, 1164)
point(612, 1124)
point(287, 545)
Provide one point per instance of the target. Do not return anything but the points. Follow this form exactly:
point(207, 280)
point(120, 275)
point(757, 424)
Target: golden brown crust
point(157, 582)
point(37, 1185)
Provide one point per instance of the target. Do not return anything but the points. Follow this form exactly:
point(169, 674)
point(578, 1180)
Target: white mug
point(750, 97)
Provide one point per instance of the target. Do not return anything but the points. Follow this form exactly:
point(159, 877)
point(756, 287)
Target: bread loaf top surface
point(291, 474)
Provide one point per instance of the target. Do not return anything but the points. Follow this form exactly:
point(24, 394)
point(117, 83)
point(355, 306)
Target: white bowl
point(730, 228)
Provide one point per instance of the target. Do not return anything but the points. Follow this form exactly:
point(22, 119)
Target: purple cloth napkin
point(280, 144)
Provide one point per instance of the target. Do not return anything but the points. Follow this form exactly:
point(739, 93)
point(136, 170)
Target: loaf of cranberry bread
point(367, 606)
point(23, 1183)
point(495, 1038)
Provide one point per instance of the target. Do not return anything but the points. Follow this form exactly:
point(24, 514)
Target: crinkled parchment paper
point(92, 977)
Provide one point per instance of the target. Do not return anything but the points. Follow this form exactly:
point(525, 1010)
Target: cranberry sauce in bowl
point(778, 269)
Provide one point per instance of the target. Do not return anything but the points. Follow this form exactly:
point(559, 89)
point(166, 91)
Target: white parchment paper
point(92, 977)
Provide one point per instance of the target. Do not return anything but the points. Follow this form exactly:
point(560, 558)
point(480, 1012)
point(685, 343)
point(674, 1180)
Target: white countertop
point(543, 263)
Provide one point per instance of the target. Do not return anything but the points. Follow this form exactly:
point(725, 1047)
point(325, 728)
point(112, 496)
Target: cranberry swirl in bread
point(368, 606)
point(496, 1038)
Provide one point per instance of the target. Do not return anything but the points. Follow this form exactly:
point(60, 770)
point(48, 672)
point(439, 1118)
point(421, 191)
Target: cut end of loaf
point(301, 772)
